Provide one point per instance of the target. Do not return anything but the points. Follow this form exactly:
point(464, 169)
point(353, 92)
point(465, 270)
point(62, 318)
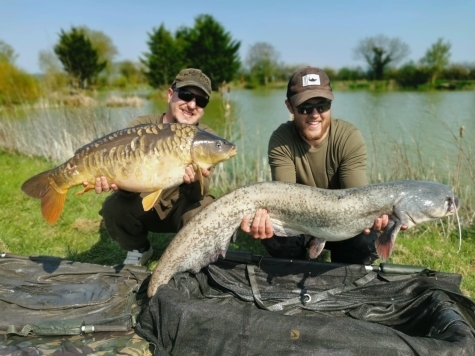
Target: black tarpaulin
point(268, 306)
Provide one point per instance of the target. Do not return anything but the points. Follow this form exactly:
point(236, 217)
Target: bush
point(16, 86)
point(411, 76)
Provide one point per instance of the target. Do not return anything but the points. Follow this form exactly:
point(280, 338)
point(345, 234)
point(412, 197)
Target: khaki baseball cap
point(306, 83)
point(193, 77)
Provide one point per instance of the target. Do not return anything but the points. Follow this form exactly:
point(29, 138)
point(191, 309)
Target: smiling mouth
point(313, 123)
point(187, 112)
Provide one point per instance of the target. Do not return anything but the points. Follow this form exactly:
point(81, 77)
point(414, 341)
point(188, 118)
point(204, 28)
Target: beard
point(313, 135)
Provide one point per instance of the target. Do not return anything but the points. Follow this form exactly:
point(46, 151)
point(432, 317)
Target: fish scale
point(143, 159)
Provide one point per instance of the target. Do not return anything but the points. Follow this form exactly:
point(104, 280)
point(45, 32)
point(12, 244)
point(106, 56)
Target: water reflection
point(403, 130)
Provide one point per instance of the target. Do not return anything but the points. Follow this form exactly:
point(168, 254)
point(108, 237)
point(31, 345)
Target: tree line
point(83, 57)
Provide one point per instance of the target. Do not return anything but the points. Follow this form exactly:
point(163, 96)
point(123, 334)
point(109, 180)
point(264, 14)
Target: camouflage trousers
point(129, 224)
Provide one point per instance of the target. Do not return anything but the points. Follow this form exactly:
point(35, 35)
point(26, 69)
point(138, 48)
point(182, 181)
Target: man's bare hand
point(101, 185)
point(380, 224)
point(261, 227)
point(192, 176)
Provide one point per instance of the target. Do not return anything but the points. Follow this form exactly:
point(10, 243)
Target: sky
point(319, 33)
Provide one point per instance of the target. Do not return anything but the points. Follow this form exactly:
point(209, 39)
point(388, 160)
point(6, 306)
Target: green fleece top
point(191, 192)
point(338, 162)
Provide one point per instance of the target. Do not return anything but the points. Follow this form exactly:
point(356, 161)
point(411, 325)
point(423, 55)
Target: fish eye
point(219, 144)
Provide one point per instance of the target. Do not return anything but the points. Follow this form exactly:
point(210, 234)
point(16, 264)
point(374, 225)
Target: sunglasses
point(187, 96)
point(308, 109)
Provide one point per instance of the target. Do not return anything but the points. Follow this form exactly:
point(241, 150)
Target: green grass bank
point(79, 236)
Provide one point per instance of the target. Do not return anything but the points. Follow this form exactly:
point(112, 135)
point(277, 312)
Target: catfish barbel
point(294, 209)
point(146, 158)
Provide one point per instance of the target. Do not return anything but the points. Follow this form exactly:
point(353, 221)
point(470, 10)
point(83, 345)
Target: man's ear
point(289, 106)
point(170, 94)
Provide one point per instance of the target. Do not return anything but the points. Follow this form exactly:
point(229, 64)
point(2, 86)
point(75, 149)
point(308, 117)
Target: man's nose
point(192, 103)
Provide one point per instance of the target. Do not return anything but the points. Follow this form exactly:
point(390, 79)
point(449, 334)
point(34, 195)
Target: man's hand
point(380, 224)
point(261, 227)
point(101, 185)
point(192, 176)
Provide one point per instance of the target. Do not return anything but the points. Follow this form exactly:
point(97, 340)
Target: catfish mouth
point(451, 205)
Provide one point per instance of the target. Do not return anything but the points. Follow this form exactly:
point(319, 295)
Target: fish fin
point(385, 242)
point(86, 189)
point(200, 177)
point(315, 247)
point(150, 200)
point(52, 201)
point(52, 204)
point(37, 186)
point(234, 236)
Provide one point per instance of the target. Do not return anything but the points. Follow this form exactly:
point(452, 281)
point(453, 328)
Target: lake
point(404, 131)
point(424, 125)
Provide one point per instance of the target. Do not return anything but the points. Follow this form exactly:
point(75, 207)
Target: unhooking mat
point(247, 305)
point(50, 305)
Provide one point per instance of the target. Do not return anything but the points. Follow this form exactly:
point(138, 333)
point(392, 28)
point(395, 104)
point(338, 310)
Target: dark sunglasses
point(187, 96)
point(308, 109)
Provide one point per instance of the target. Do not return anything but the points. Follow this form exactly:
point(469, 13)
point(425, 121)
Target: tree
point(130, 71)
point(411, 76)
point(209, 47)
point(104, 46)
point(262, 62)
point(79, 58)
point(456, 72)
point(436, 58)
point(7, 53)
point(379, 52)
point(165, 58)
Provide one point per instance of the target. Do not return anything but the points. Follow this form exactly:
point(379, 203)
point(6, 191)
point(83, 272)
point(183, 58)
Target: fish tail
point(52, 201)
point(385, 249)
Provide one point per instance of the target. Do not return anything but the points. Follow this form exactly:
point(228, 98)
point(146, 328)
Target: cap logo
point(310, 79)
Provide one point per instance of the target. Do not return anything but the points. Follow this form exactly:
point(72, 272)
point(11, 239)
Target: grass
point(79, 236)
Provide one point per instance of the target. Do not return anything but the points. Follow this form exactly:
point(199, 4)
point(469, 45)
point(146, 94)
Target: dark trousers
point(127, 222)
point(358, 250)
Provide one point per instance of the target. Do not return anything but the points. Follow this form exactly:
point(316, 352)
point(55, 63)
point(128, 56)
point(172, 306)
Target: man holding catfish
point(314, 149)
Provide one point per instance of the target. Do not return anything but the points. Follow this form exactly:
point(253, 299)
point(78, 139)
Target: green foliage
point(456, 72)
point(105, 49)
point(436, 58)
point(102, 44)
point(206, 46)
point(379, 52)
point(165, 58)
point(347, 73)
point(411, 76)
point(78, 56)
point(16, 86)
point(209, 47)
point(262, 62)
point(131, 72)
